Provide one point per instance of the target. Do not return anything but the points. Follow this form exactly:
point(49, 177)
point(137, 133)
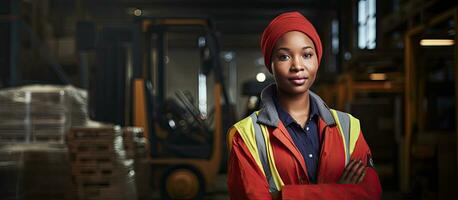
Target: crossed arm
point(246, 181)
point(353, 173)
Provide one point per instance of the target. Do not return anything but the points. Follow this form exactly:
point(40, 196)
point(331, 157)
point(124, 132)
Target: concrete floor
point(220, 192)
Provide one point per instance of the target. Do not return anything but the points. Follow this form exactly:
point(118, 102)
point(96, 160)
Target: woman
point(295, 147)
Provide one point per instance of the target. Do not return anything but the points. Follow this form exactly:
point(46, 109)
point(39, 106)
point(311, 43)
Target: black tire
point(184, 189)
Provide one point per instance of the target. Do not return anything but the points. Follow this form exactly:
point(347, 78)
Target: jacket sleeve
point(369, 188)
point(244, 179)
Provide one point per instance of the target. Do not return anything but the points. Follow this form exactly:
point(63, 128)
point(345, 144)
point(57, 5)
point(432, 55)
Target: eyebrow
point(287, 49)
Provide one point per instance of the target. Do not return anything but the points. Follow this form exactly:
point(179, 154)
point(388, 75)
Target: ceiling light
point(377, 76)
point(137, 12)
point(437, 42)
point(260, 77)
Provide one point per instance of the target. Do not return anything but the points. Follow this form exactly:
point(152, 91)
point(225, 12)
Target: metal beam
point(14, 42)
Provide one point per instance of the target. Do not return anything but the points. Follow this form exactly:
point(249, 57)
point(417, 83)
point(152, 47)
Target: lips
point(297, 80)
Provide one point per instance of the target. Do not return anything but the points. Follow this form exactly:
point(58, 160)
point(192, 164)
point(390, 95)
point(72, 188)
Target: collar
point(286, 118)
point(268, 114)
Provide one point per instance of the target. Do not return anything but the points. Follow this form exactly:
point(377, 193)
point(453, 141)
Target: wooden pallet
point(89, 134)
point(92, 160)
point(92, 146)
point(48, 138)
point(96, 162)
point(99, 171)
point(13, 138)
point(96, 179)
point(100, 193)
point(99, 185)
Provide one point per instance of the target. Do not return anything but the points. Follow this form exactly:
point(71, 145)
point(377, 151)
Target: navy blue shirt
point(306, 139)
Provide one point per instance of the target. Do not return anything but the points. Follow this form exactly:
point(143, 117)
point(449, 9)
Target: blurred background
point(131, 99)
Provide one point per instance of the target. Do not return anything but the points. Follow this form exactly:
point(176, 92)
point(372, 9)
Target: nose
point(297, 64)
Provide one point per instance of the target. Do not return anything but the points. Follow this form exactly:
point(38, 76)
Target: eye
point(283, 57)
point(307, 55)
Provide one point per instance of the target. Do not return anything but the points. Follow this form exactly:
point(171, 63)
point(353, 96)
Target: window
point(366, 24)
point(335, 36)
point(202, 91)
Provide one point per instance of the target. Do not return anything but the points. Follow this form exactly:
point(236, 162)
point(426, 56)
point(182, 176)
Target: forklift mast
point(121, 57)
point(130, 58)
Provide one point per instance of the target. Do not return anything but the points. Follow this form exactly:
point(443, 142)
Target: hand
point(354, 173)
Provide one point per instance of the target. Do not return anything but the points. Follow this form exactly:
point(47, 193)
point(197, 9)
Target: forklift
point(133, 84)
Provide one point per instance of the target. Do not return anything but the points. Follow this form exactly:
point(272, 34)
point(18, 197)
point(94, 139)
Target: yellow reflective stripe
point(355, 130)
point(334, 114)
point(247, 133)
point(271, 159)
point(246, 130)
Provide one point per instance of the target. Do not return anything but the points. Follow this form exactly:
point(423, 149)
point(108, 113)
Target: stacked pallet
point(99, 167)
point(77, 101)
point(40, 115)
point(35, 171)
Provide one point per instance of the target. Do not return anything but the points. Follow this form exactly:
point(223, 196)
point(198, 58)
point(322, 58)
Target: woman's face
point(294, 63)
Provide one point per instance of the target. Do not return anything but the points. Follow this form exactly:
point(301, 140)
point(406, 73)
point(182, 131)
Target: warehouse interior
point(132, 99)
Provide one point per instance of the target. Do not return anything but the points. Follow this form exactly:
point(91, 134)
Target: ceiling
point(239, 22)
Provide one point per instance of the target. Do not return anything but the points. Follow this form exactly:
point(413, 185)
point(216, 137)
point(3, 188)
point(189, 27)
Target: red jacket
point(247, 181)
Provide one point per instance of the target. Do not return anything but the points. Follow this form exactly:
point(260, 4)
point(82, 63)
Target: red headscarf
point(286, 22)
